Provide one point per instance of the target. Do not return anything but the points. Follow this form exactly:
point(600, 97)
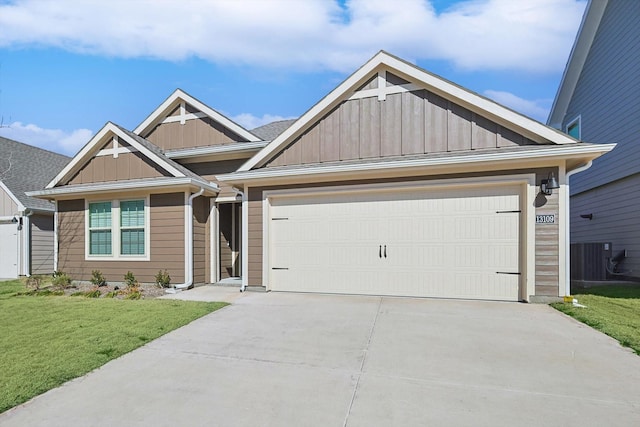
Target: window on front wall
point(573, 128)
point(117, 229)
point(100, 228)
point(132, 227)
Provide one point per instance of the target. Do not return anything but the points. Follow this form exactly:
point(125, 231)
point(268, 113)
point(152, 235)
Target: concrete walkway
point(281, 359)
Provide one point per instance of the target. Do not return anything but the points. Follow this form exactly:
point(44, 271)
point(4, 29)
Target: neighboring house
point(26, 223)
point(396, 183)
point(598, 101)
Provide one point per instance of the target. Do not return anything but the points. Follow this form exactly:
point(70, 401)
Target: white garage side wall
point(526, 183)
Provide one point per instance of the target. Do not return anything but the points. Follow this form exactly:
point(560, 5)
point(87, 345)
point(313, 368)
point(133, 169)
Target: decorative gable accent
point(419, 113)
point(183, 122)
point(115, 154)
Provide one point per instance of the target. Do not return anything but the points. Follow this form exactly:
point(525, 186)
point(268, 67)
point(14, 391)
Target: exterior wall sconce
point(587, 216)
point(548, 185)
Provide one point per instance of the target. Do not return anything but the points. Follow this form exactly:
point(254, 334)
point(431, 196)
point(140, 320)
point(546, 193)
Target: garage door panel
point(8, 251)
point(440, 243)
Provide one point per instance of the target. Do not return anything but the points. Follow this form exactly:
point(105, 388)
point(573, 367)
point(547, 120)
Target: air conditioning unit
point(589, 260)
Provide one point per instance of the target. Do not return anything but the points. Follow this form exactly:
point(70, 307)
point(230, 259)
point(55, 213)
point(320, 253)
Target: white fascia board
point(591, 151)
point(148, 153)
point(431, 82)
point(82, 156)
point(12, 196)
point(92, 146)
point(578, 56)
point(120, 186)
point(216, 149)
point(179, 95)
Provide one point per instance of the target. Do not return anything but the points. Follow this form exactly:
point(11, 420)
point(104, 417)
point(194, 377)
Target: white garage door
point(8, 251)
point(452, 243)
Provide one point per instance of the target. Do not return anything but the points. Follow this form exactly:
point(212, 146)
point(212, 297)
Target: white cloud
point(532, 36)
point(57, 140)
point(537, 109)
point(249, 121)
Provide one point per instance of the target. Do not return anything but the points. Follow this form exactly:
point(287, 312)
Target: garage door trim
point(527, 226)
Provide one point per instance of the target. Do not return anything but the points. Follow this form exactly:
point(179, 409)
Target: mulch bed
point(149, 291)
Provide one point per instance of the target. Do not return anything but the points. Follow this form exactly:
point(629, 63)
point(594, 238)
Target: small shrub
point(35, 282)
point(133, 295)
point(111, 294)
point(130, 280)
point(97, 278)
point(93, 294)
point(61, 280)
point(163, 280)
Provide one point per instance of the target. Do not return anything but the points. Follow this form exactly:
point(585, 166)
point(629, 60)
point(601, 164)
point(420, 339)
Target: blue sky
point(69, 66)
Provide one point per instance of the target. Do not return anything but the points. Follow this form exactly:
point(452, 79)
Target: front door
point(230, 240)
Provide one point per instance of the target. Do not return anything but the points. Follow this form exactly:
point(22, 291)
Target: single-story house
point(26, 223)
point(397, 182)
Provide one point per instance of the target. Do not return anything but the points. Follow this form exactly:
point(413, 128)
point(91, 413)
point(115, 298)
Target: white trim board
point(180, 97)
point(92, 148)
point(577, 58)
point(574, 150)
point(385, 62)
point(528, 192)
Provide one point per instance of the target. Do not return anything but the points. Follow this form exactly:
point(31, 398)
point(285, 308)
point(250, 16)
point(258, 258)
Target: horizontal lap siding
point(200, 217)
point(41, 244)
point(409, 123)
point(546, 236)
point(615, 219)
point(547, 240)
point(606, 97)
point(166, 241)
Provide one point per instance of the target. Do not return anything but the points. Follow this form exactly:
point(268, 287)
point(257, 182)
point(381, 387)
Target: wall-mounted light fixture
point(548, 185)
point(587, 216)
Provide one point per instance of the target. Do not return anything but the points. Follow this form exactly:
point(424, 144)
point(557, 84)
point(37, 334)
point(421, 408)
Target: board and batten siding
point(7, 206)
point(41, 243)
point(606, 97)
point(107, 168)
point(409, 123)
point(612, 206)
point(200, 132)
point(166, 238)
point(546, 235)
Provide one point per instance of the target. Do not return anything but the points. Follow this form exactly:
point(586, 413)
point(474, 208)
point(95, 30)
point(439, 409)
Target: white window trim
point(577, 120)
point(115, 232)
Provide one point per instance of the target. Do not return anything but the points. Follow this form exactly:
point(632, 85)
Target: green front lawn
point(48, 340)
point(614, 310)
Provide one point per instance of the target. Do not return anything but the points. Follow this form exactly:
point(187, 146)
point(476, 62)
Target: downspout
point(55, 237)
point(567, 238)
point(245, 238)
point(188, 250)
point(26, 242)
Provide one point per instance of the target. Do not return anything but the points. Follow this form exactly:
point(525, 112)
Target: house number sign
point(545, 219)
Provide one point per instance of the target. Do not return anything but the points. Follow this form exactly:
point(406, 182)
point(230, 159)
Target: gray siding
point(193, 133)
point(606, 96)
point(615, 219)
point(125, 166)
point(409, 123)
point(41, 244)
point(7, 206)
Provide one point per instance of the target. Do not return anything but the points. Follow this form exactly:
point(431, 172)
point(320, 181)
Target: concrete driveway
point(280, 359)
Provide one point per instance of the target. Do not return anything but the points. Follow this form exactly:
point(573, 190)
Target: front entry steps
point(237, 282)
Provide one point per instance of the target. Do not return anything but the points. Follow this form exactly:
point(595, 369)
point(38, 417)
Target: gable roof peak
point(419, 79)
point(176, 98)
